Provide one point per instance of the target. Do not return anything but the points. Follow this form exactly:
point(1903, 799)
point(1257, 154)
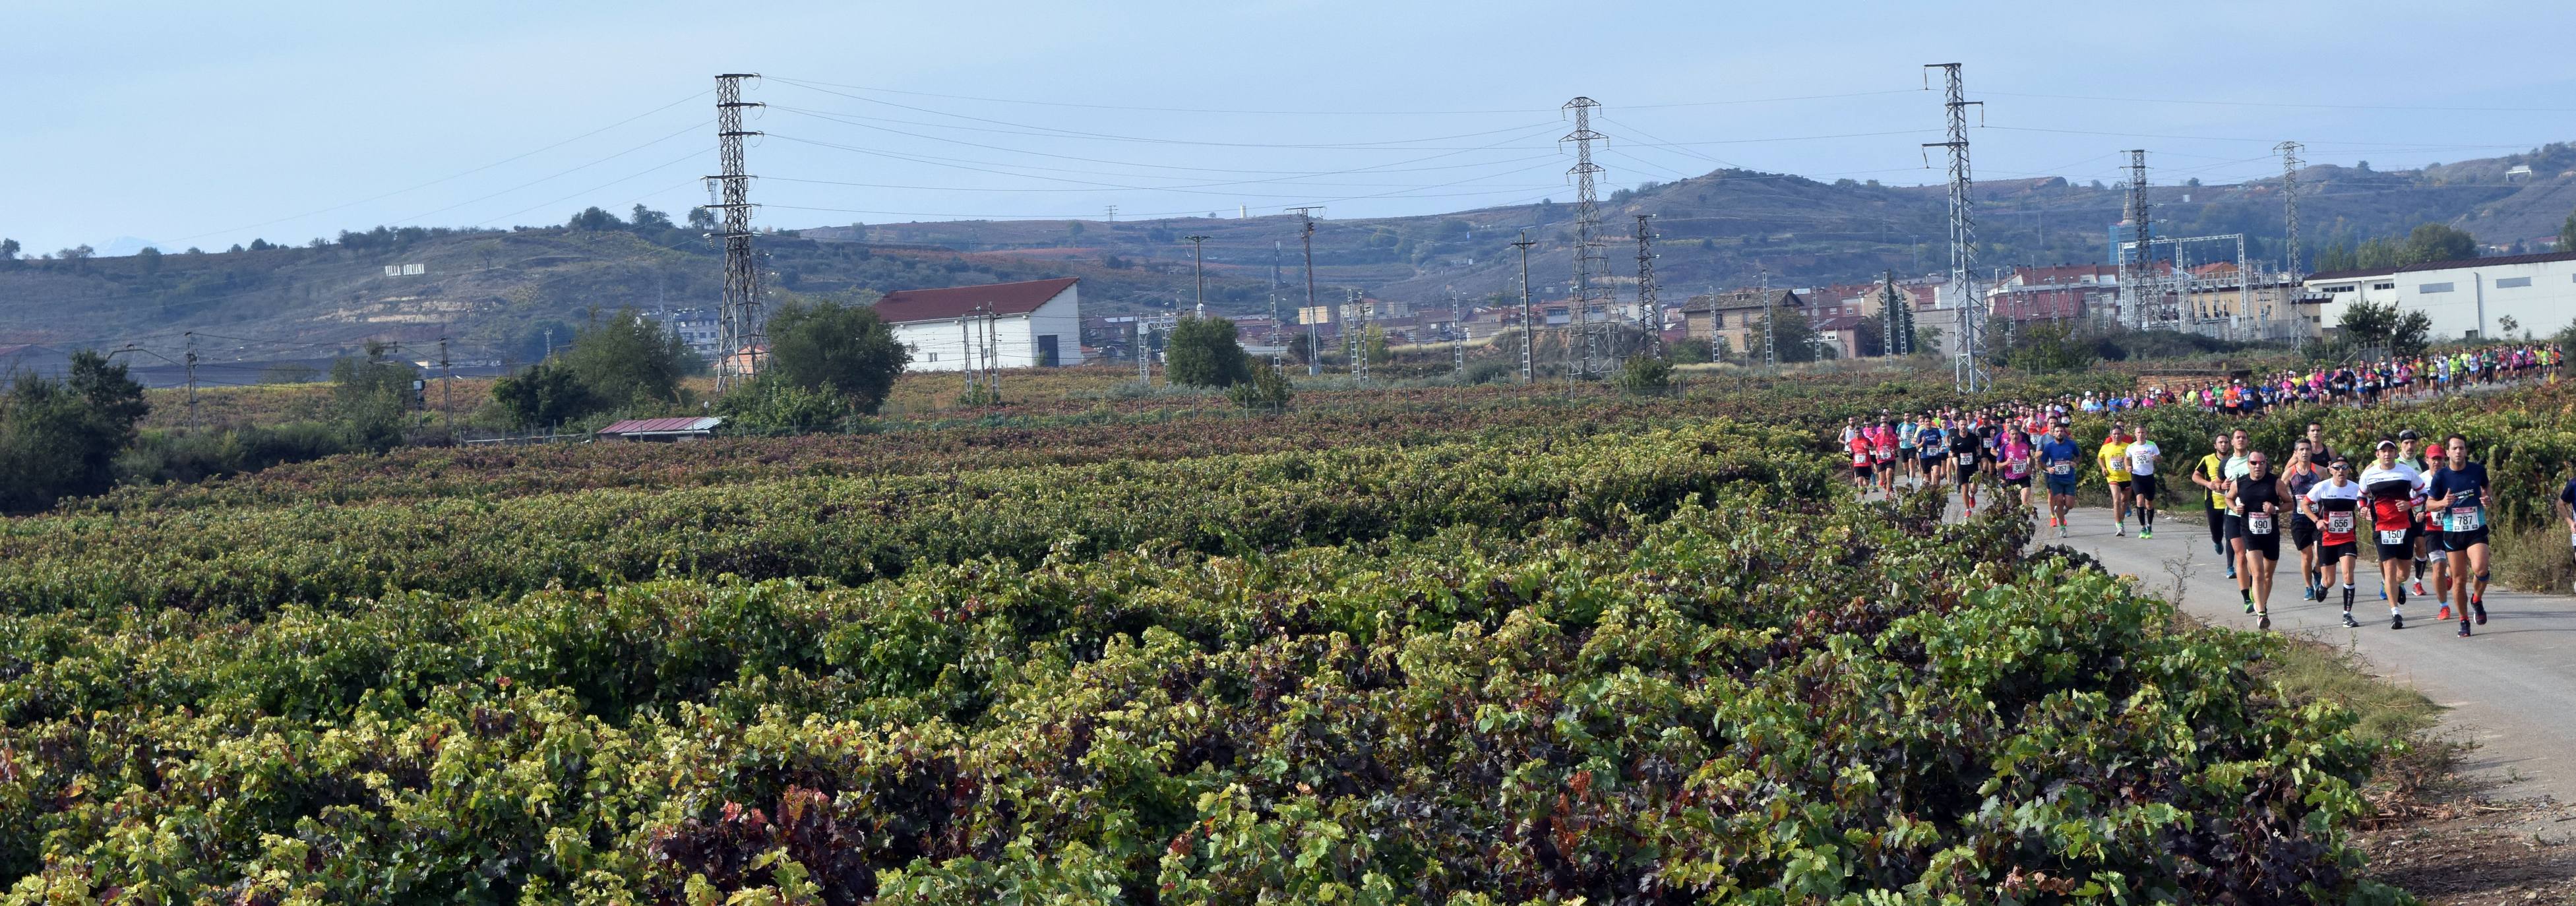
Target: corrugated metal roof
point(661, 425)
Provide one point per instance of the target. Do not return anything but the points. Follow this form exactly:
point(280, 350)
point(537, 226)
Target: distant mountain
point(500, 291)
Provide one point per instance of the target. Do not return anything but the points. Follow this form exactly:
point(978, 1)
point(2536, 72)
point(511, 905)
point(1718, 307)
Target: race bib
point(2061, 468)
point(2258, 524)
point(2339, 523)
point(2392, 536)
point(1966, 457)
point(2467, 519)
point(1884, 455)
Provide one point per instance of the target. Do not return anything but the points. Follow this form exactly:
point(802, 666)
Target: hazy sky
point(209, 124)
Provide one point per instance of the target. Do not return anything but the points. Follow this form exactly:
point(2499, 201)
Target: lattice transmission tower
point(1968, 370)
point(2139, 274)
point(1650, 311)
point(1591, 257)
point(741, 334)
point(2290, 202)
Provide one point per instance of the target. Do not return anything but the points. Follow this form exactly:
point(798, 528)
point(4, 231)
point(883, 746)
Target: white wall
point(2545, 301)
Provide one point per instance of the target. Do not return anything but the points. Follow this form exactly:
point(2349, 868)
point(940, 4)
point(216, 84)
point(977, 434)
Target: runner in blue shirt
point(2057, 458)
point(1931, 449)
point(2458, 510)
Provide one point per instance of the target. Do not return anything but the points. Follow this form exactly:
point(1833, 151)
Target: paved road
point(2511, 687)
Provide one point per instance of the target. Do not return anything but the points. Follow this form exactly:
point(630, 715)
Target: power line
point(690, 128)
point(2077, 97)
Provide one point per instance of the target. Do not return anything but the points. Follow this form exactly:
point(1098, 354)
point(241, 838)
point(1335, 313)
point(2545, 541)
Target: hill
point(498, 293)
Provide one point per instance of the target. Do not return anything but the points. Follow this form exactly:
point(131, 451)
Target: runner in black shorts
point(1964, 449)
point(2335, 505)
point(2458, 504)
point(2302, 474)
point(2259, 502)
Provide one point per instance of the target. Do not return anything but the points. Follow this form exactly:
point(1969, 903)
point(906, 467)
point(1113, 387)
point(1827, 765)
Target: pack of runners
point(2419, 508)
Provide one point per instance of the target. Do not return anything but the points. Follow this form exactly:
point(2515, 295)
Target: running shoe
point(2146, 534)
point(2348, 621)
point(2445, 614)
point(2396, 621)
point(2481, 608)
point(2119, 529)
point(2419, 587)
point(2265, 622)
point(2061, 531)
point(2464, 629)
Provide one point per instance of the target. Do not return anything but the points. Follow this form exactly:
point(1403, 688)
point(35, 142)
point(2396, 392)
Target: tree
point(149, 259)
point(76, 253)
point(2438, 242)
point(1793, 337)
point(2508, 325)
point(60, 438)
point(9, 247)
point(592, 219)
point(702, 219)
point(1205, 352)
point(830, 345)
point(2381, 326)
point(2043, 347)
point(1644, 374)
point(627, 359)
point(544, 394)
point(645, 218)
point(1691, 351)
point(2566, 236)
point(371, 398)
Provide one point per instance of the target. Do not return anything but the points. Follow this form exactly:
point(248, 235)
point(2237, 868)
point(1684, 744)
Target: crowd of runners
point(2418, 504)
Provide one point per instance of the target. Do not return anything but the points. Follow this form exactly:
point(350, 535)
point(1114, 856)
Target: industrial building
point(1031, 324)
point(2466, 299)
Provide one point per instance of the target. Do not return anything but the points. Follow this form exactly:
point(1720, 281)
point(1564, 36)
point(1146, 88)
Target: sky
point(193, 124)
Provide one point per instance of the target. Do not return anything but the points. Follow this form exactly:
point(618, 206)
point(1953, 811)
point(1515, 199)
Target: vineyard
point(1480, 649)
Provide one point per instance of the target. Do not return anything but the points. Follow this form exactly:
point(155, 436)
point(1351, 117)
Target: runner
point(2015, 466)
point(2394, 488)
point(2057, 460)
point(2429, 556)
point(1882, 456)
point(2302, 475)
point(2333, 504)
point(2319, 451)
point(1963, 465)
point(2212, 477)
point(2143, 455)
point(2239, 462)
point(2407, 441)
point(2458, 500)
point(1859, 446)
point(2114, 459)
point(1905, 452)
point(1931, 449)
point(2256, 500)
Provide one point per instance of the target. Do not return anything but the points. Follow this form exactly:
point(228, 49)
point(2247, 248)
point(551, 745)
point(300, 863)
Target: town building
point(1031, 324)
point(1732, 321)
point(697, 327)
point(2466, 299)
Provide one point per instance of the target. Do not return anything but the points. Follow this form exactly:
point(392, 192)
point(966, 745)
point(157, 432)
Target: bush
point(1488, 371)
point(1645, 374)
point(544, 395)
point(1267, 389)
point(627, 359)
point(1693, 351)
point(776, 406)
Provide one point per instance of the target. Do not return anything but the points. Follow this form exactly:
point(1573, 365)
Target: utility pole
point(1144, 354)
point(2290, 202)
point(1358, 346)
point(966, 353)
point(446, 387)
point(1968, 372)
point(992, 354)
point(550, 345)
point(1590, 257)
point(191, 361)
point(740, 331)
point(1529, 343)
point(1314, 353)
point(1649, 310)
point(1198, 270)
point(1457, 333)
point(1275, 283)
point(1113, 213)
point(2139, 232)
point(1770, 316)
point(1899, 338)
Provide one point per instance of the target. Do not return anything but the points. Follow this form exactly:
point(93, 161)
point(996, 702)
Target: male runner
point(2114, 458)
point(2258, 500)
point(2319, 451)
point(2407, 441)
point(2458, 502)
point(1964, 451)
point(1931, 449)
point(2211, 476)
point(2143, 455)
point(2301, 474)
point(2057, 462)
point(1859, 445)
point(2333, 504)
point(2394, 487)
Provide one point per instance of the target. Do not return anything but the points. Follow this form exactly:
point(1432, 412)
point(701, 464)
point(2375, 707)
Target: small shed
point(661, 429)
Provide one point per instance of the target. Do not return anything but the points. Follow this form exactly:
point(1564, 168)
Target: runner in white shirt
point(2143, 456)
point(2335, 505)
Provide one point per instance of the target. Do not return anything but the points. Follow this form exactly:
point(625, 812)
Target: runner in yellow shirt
point(2114, 457)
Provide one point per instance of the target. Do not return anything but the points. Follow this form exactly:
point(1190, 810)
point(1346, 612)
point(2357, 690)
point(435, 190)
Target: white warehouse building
point(1034, 324)
point(2465, 299)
